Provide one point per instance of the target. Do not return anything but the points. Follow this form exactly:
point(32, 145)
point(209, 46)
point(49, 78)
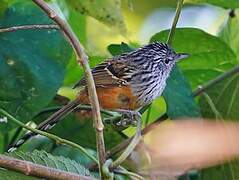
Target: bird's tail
point(47, 124)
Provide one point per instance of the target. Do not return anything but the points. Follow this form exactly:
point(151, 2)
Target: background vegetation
point(36, 65)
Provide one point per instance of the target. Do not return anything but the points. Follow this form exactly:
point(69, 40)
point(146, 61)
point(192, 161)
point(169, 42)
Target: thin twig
point(128, 173)
point(175, 21)
point(83, 60)
point(27, 27)
point(31, 169)
point(211, 104)
point(218, 79)
point(148, 115)
point(51, 136)
point(79, 108)
point(129, 149)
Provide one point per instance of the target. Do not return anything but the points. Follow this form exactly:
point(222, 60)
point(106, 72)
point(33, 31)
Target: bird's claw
point(128, 118)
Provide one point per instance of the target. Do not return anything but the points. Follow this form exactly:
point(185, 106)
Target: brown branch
point(27, 27)
point(83, 60)
point(31, 169)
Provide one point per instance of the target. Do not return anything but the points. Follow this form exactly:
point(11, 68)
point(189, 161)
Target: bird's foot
point(128, 118)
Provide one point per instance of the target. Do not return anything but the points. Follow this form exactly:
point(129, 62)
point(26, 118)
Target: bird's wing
point(113, 72)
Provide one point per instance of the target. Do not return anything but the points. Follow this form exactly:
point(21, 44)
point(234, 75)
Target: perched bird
point(125, 82)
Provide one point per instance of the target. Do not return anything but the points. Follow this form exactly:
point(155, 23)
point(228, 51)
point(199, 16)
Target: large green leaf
point(76, 20)
point(178, 96)
point(74, 154)
point(106, 11)
point(227, 171)
point(222, 3)
point(224, 98)
point(32, 63)
point(209, 56)
point(229, 33)
point(58, 162)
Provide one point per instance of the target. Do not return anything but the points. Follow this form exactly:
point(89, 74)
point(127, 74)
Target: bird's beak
point(180, 56)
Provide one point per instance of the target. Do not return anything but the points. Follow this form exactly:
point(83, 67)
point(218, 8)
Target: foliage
point(30, 73)
point(106, 11)
point(224, 4)
point(46, 159)
point(36, 64)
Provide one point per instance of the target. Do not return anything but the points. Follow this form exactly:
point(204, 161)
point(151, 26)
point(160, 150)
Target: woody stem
point(82, 59)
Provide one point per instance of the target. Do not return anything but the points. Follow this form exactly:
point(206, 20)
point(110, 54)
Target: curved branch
point(31, 169)
point(83, 60)
point(218, 79)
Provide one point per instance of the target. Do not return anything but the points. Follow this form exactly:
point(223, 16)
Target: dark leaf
point(178, 96)
point(32, 63)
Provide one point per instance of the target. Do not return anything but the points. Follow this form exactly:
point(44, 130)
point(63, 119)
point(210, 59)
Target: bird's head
point(164, 55)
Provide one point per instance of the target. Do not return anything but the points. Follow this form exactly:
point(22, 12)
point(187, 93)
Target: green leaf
point(32, 63)
point(76, 127)
point(58, 162)
point(178, 96)
point(79, 130)
point(209, 55)
point(106, 11)
point(76, 20)
point(9, 175)
point(222, 3)
point(117, 49)
point(229, 33)
point(227, 171)
point(225, 100)
point(74, 154)
point(225, 97)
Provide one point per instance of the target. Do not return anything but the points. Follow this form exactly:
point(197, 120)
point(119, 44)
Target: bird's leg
point(128, 118)
point(132, 144)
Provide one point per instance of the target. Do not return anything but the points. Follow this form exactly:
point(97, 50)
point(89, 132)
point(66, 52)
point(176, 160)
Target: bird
point(125, 82)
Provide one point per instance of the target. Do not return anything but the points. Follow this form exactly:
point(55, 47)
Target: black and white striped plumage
point(145, 70)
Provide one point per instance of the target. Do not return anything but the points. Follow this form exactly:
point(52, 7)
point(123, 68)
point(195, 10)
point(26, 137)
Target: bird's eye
point(166, 61)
